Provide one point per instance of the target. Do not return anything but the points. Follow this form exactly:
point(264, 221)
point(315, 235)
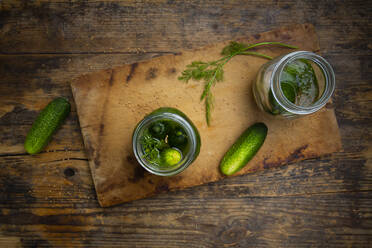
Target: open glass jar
point(295, 84)
point(166, 142)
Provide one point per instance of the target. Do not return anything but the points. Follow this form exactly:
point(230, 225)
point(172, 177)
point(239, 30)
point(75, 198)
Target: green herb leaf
point(152, 148)
point(219, 75)
point(233, 47)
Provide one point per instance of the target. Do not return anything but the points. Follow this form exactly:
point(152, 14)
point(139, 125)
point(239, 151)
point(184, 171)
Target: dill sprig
point(212, 72)
point(152, 147)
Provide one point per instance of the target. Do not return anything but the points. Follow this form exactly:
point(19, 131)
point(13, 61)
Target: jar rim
point(188, 158)
point(277, 91)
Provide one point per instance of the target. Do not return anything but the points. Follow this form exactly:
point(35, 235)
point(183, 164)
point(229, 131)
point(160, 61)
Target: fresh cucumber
point(49, 119)
point(243, 150)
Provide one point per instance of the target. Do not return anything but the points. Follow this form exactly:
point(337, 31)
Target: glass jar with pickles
point(166, 142)
point(295, 84)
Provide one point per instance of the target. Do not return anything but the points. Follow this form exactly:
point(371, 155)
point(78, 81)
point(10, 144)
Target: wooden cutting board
point(111, 102)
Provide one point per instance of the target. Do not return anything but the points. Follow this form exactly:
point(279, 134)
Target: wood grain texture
point(110, 103)
point(317, 203)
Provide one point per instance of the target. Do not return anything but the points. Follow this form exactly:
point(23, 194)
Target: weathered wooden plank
point(62, 179)
point(313, 203)
point(340, 219)
point(157, 25)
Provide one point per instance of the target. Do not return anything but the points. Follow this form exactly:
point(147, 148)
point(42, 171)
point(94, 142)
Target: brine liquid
point(299, 82)
point(162, 135)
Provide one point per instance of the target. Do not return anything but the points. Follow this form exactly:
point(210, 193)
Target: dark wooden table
point(49, 199)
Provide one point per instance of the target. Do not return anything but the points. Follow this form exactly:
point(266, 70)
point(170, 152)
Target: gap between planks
point(85, 53)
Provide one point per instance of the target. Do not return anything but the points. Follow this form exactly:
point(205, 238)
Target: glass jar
point(294, 84)
point(166, 131)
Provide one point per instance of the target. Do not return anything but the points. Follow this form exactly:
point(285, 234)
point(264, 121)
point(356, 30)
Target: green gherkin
point(48, 121)
point(243, 150)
